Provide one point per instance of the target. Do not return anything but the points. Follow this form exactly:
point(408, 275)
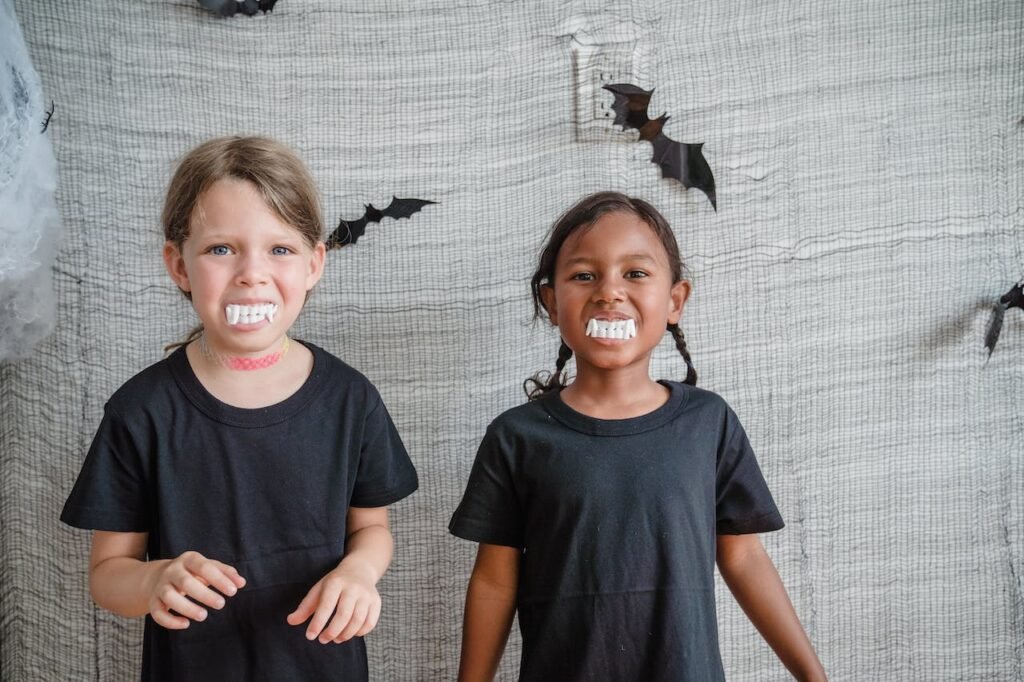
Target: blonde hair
point(276, 172)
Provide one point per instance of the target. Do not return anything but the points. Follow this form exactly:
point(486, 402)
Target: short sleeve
point(743, 502)
point(490, 511)
point(385, 474)
point(111, 491)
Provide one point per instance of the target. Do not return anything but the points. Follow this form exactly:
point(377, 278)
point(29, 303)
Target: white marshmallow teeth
point(249, 314)
point(611, 329)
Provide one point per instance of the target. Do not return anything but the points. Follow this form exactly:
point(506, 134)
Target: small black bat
point(229, 8)
point(349, 231)
point(680, 160)
point(1014, 298)
point(49, 115)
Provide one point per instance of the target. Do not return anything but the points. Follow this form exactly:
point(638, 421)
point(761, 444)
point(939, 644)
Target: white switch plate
point(598, 65)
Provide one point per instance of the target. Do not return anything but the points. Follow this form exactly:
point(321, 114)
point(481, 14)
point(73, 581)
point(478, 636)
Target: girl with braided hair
point(602, 505)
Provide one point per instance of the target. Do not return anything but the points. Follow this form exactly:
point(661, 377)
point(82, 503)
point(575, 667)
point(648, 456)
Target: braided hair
point(545, 382)
point(583, 215)
point(677, 336)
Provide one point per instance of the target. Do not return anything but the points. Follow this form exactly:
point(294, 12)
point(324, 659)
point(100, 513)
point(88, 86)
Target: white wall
point(869, 159)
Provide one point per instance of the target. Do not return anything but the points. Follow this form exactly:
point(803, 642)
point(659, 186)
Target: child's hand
point(190, 575)
point(349, 593)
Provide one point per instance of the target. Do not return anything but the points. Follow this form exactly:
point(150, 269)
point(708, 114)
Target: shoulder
point(707, 406)
point(338, 376)
point(696, 396)
point(150, 386)
point(528, 428)
point(520, 417)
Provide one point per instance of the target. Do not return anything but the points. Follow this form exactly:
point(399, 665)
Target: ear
point(547, 296)
point(316, 265)
point(175, 264)
point(677, 300)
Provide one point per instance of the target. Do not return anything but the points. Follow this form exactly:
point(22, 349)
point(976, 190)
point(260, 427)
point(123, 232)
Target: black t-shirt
point(616, 520)
point(264, 490)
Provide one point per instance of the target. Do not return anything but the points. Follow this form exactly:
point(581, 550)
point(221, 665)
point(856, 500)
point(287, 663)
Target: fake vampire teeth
point(249, 314)
point(611, 329)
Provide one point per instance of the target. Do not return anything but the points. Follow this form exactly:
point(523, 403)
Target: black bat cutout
point(49, 115)
point(1014, 298)
point(680, 160)
point(349, 231)
point(229, 8)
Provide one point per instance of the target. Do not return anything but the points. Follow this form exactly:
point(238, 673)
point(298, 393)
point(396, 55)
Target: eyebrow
point(628, 257)
point(217, 236)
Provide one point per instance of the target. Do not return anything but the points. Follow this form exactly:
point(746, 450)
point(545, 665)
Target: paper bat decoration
point(1014, 298)
point(349, 231)
point(49, 115)
point(680, 160)
point(229, 8)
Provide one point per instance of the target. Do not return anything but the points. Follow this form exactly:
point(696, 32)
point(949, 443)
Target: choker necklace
point(243, 363)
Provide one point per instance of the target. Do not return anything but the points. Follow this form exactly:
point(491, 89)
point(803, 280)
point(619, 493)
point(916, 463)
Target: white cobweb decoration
point(29, 222)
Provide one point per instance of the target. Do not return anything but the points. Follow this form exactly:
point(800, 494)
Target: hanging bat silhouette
point(680, 160)
point(349, 231)
point(229, 8)
point(1014, 298)
point(49, 115)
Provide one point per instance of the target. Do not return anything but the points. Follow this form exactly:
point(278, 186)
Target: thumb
point(306, 607)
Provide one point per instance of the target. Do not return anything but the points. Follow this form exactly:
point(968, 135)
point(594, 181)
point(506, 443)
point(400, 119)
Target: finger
point(173, 599)
point(215, 575)
point(343, 615)
point(355, 623)
point(233, 575)
point(371, 619)
point(305, 607)
point(191, 560)
point(329, 594)
point(195, 588)
point(164, 618)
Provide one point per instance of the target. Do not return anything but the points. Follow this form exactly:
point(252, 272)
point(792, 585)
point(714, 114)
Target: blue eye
point(280, 251)
point(220, 250)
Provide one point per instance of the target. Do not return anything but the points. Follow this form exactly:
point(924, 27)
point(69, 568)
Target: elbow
point(108, 594)
point(98, 592)
point(374, 528)
point(96, 586)
point(736, 552)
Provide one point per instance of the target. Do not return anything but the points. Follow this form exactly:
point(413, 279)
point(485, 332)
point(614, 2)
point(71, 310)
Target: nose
point(252, 270)
point(608, 290)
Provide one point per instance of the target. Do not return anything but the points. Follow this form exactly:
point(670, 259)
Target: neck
point(243, 363)
point(622, 394)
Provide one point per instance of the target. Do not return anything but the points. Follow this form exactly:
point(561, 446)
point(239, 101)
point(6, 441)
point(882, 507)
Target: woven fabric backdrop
point(869, 160)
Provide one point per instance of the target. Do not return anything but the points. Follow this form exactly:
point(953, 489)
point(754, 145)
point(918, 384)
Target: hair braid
point(545, 382)
point(564, 353)
point(196, 332)
point(677, 336)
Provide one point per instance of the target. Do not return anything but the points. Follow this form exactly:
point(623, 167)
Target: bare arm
point(122, 581)
point(751, 575)
point(349, 591)
point(490, 606)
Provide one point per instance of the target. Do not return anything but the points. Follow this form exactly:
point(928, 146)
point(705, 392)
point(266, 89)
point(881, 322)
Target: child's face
point(612, 294)
point(247, 271)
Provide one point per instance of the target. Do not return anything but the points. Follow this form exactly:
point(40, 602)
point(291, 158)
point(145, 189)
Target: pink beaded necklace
point(242, 363)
